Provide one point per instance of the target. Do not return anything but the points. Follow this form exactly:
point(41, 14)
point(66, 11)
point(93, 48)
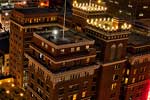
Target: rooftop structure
point(88, 10)
point(142, 26)
point(71, 37)
point(89, 7)
point(110, 25)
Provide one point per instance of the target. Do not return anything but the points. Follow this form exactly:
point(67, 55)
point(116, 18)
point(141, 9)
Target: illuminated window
point(74, 97)
point(141, 14)
point(113, 86)
point(53, 18)
point(115, 77)
point(128, 71)
point(87, 46)
point(134, 72)
point(145, 7)
point(83, 94)
point(123, 71)
point(133, 80)
point(78, 48)
point(87, 60)
point(53, 50)
point(62, 50)
point(72, 49)
point(126, 80)
point(42, 44)
point(46, 46)
point(117, 66)
point(41, 55)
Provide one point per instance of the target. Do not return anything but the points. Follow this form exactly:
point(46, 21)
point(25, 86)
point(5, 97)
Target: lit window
point(130, 6)
point(128, 71)
point(53, 50)
point(42, 44)
point(141, 14)
point(83, 94)
point(46, 46)
point(41, 55)
point(117, 66)
point(145, 7)
point(116, 2)
point(62, 50)
point(78, 48)
point(115, 77)
point(133, 80)
point(87, 60)
point(72, 49)
point(113, 86)
point(126, 80)
point(74, 97)
point(134, 72)
point(87, 46)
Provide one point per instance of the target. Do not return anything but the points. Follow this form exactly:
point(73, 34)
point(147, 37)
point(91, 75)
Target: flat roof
point(70, 36)
point(142, 23)
point(138, 40)
point(35, 10)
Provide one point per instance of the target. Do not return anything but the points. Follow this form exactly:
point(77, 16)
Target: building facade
point(65, 77)
point(131, 9)
point(137, 83)
point(23, 23)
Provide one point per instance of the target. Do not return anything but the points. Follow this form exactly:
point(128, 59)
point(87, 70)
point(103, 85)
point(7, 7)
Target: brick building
point(67, 64)
point(23, 23)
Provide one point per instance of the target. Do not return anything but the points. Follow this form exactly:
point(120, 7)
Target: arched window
point(112, 52)
point(119, 50)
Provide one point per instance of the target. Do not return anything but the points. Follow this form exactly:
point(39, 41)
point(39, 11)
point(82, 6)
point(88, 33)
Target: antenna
point(64, 19)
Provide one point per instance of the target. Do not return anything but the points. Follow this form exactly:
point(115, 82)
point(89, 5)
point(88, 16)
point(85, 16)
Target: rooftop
point(108, 24)
point(143, 23)
point(70, 36)
point(35, 10)
point(138, 40)
point(90, 7)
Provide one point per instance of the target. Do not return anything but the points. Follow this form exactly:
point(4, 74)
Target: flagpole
point(64, 20)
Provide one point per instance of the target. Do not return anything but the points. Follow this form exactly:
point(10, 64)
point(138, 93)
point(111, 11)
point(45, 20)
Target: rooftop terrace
point(55, 35)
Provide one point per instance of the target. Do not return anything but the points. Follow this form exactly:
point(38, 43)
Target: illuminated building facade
point(111, 36)
point(137, 73)
point(129, 8)
point(81, 12)
point(23, 23)
point(5, 15)
point(65, 77)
